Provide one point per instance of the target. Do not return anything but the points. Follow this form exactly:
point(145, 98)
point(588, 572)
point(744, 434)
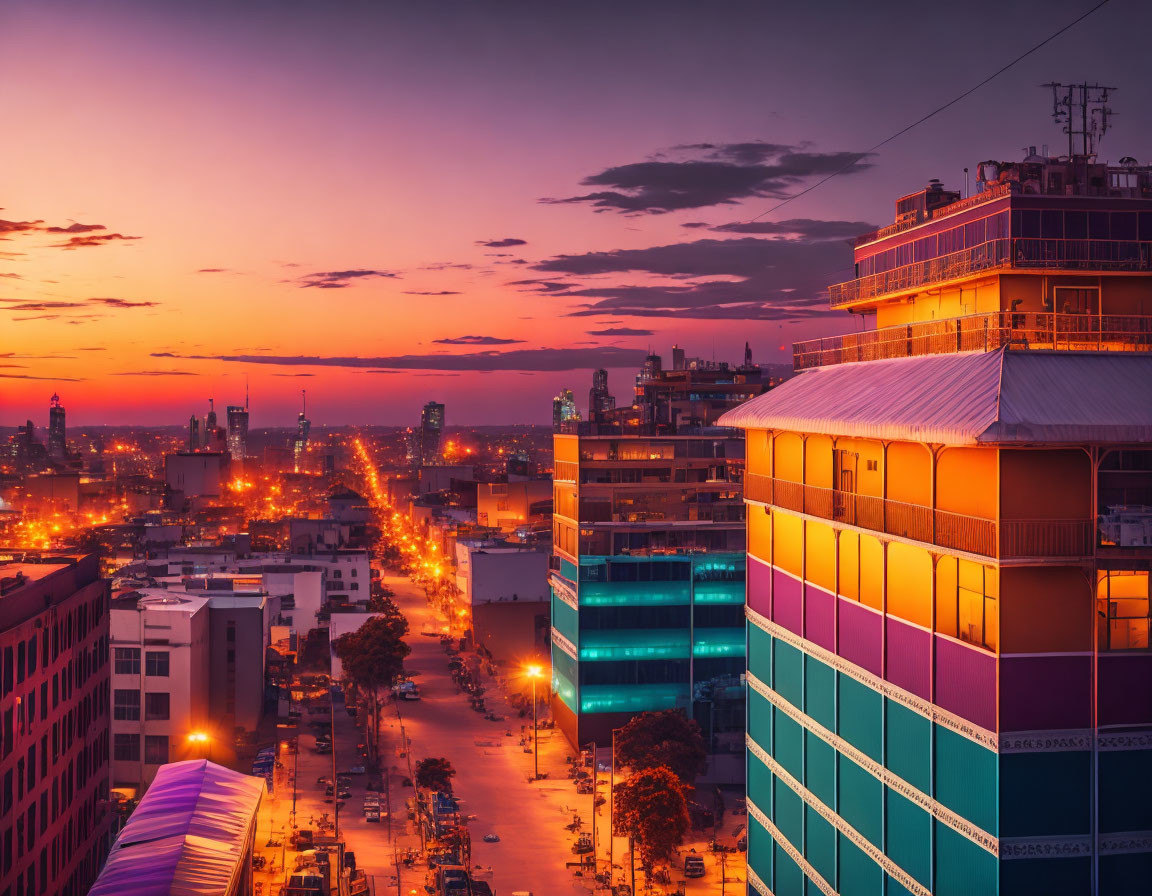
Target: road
point(493, 783)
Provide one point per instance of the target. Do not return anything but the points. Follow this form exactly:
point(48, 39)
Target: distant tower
point(431, 431)
point(210, 420)
point(677, 358)
point(193, 433)
point(564, 409)
point(57, 430)
point(237, 432)
point(303, 428)
point(599, 398)
point(747, 355)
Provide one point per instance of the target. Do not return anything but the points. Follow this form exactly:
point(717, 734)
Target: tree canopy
point(435, 773)
point(651, 809)
point(373, 655)
point(666, 739)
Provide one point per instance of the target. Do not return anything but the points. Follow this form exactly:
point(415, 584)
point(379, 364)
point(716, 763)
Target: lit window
point(1122, 598)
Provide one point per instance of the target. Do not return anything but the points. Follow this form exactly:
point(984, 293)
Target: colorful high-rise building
point(238, 432)
point(57, 430)
point(431, 432)
point(564, 409)
point(648, 558)
point(949, 542)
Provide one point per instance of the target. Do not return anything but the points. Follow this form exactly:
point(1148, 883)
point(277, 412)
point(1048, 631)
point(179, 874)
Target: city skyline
point(479, 206)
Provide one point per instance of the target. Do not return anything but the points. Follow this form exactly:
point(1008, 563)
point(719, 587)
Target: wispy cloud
point(621, 331)
point(476, 340)
point(342, 279)
point(502, 244)
point(99, 239)
point(433, 292)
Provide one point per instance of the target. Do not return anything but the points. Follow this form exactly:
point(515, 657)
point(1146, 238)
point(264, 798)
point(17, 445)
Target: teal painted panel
point(861, 716)
point(1118, 874)
point(811, 888)
point(635, 594)
point(632, 697)
point(718, 641)
point(966, 778)
point(788, 677)
point(563, 664)
point(909, 745)
point(820, 685)
point(760, 720)
point(1126, 790)
point(565, 620)
point(820, 845)
point(760, 654)
point(788, 747)
point(1043, 794)
point(909, 837)
point(820, 769)
point(760, 784)
point(719, 593)
point(963, 868)
point(562, 684)
point(1054, 877)
point(895, 888)
point(634, 644)
point(859, 875)
point(568, 569)
point(861, 800)
point(789, 815)
point(789, 877)
point(760, 846)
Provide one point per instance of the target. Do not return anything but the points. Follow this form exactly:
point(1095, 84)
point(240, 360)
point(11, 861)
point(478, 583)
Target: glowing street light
point(535, 672)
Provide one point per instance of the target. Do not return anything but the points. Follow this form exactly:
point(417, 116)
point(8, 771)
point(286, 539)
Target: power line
point(931, 114)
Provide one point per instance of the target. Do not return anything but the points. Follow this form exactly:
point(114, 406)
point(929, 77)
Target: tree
point(435, 774)
point(651, 810)
point(373, 658)
point(666, 739)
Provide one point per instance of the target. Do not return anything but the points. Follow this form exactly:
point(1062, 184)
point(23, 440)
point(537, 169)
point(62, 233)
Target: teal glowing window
point(564, 688)
point(635, 645)
point(719, 592)
point(632, 698)
point(718, 642)
point(565, 620)
point(643, 594)
point(568, 569)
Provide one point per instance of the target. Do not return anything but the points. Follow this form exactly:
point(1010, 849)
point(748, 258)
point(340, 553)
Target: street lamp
point(201, 739)
point(535, 672)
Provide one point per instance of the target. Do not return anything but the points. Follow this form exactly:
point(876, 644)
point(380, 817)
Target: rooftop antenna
point(1084, 112)
point(245, 391)
point(211, 405)
point(303, 402)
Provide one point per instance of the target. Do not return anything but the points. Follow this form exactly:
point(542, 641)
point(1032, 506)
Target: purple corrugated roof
point(1003, 397)
point(188, 835)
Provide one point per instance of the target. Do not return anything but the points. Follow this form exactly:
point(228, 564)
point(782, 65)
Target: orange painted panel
point(910, 583)
point(849, 552)
point(788, 456)
point(760, 533)
point(966, 481)
point(820, 556)
point(818, 461)
point(1040, 485)
point(871, 572)
point(758, 452)
point(1045, 609)
point(788, 542)
point(909, 473)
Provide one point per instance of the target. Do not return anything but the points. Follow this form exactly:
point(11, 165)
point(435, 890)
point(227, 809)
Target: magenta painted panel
point(860, 641)
point(1040, 692)
point(787, 609)
point(966, 682)
point(819, 616)
point(909, 658)
point(759, 593)
point(1125, 689)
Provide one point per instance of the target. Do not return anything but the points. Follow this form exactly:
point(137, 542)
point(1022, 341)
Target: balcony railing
point(1026, 254)
point(959, 532)
point(999, 191)
point(981, 332)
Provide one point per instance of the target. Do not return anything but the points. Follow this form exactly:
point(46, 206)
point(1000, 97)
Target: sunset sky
point(386, 203)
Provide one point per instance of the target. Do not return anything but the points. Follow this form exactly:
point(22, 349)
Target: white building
point(197, 474)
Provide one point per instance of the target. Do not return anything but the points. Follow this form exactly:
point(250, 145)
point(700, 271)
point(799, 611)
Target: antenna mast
point(1083, 110)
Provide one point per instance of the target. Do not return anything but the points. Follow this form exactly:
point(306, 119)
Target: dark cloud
point(502, 244)
point(621, 331)
point(799, 228)
point(19, 226)
point(342, 279)
point(543, 285)
point(156, 373)
point(101, 239)
point(70, 308)
point(704, 174)
point(212, 271)
point(77, 227)
point(293, 374)
point(432, 292)
point(122, 303)
point(21, 307)
point(694, 225)
point(92, 348)
point(12, 276)
point(476, 340)
point(735, 279)
point(518, 359)
point(447, 266)
point(50, 379)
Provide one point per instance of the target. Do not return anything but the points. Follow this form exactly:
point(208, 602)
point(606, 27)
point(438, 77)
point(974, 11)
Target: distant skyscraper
point(210, 420)
point(431, 430)
point(564, 408)
point(599, 398)
point(303, 428)
point(677, 358)
point(237, 431)
point(57, 430)
point(193, 433)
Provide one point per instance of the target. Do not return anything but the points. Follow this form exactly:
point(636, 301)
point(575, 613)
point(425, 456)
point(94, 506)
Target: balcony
point(981, 333)
point(1011, 540)
point(1012, 254)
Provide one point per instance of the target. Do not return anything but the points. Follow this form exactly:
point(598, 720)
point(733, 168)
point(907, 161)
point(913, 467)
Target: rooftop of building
point(19, 567)
point(159, 600)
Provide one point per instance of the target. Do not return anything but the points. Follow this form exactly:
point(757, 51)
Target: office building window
point(126, 747)
point(155, 749)
point(126, 705)
point(156, 663)
point(127, 661)
point(156, 707)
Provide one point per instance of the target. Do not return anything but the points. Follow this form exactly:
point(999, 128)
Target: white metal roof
point(188, 835)
point(1002, 397)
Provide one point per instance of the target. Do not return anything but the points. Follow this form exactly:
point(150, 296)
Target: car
point(693, 865)
point(356, 770)
point(491, 838)
point(323, 780)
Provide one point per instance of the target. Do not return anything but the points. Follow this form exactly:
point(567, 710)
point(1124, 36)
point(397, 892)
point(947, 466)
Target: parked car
point(693, 865)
